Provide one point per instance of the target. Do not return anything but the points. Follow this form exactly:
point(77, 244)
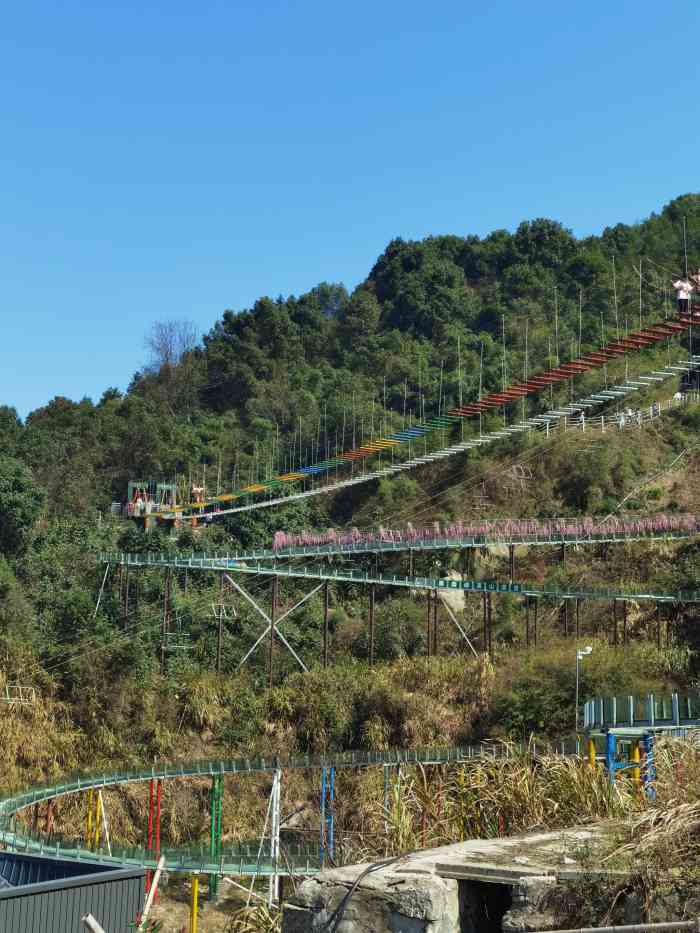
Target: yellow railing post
point(636, 757)
point(194, 904)
point(98, 814)
point(591, 753)
point(88, 827)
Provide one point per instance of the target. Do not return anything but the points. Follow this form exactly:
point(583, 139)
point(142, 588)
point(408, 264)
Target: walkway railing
point(667, 710)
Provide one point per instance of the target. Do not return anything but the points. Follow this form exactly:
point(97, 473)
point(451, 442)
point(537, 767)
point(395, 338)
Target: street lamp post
point(581, 653)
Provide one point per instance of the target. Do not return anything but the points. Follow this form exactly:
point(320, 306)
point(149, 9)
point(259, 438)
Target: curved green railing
point(240, 859)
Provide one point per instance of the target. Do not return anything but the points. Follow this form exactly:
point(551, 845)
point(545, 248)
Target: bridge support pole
point(527, 621)
point(165, 626)
point(435, 623)
point(371, 625)
point(489, 604)
point(411, 563)
point(429, 624)
point(326, 608)
point(534, 629)
point(220, 628)
point(578, 618)
point(194, 904)
point(275, 808)
point(273, 622)
point(216, 798)
point(328, 814)
point(149, 836)
point(562, 553)
point(511, 560)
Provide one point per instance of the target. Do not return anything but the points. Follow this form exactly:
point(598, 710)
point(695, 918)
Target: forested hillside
point(289, 379)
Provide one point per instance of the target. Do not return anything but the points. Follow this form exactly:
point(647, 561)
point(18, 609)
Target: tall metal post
point(435, 623)
point(371, 625)
point(48, 826)
point(429, 624)
point(327, 829)
point(275, 837)
point(527, 621)
point(411, 564)
point(215, 806)
point(489, 605)
point(326, 608)
point(273, 615)
point(562, 553)
point(220, 632)
point(511, 557)
point(149, 837)
point(534, 632)
point(165, 627)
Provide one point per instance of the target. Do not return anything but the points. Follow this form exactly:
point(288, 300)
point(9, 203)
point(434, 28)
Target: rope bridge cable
point(603, 396)
point(561, 373)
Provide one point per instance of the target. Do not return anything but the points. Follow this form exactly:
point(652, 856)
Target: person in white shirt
point(684, 289)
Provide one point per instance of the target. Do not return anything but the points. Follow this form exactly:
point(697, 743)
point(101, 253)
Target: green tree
point(21, 502)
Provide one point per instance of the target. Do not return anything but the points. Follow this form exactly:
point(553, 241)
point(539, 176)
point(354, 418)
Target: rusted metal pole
point(578, 618)
point(435, 623)
point(220, 633)
point(326, 608)
point(371, 625)
point(527, 621)
point(273, 614)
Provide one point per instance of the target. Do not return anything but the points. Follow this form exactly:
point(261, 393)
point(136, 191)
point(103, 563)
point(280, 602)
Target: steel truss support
point(265, 616)
point(461, 631)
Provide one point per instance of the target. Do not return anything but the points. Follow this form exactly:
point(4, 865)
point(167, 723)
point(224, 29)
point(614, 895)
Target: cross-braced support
point(278, 621)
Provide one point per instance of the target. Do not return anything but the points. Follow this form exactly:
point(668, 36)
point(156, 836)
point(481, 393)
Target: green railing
point(240, 859)
point(233, 565)
point(667, 710)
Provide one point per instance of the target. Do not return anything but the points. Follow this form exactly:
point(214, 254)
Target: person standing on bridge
point(684, 290)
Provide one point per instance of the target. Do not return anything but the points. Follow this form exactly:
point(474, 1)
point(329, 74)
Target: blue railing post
point(610, 749)
point(649, 773)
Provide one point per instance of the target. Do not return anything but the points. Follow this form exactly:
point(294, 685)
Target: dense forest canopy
point(311, 372)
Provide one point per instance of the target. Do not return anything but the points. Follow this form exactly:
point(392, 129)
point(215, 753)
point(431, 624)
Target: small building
point(43, 895)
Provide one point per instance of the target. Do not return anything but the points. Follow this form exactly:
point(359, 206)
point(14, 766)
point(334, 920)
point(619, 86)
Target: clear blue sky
point(165, 160)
